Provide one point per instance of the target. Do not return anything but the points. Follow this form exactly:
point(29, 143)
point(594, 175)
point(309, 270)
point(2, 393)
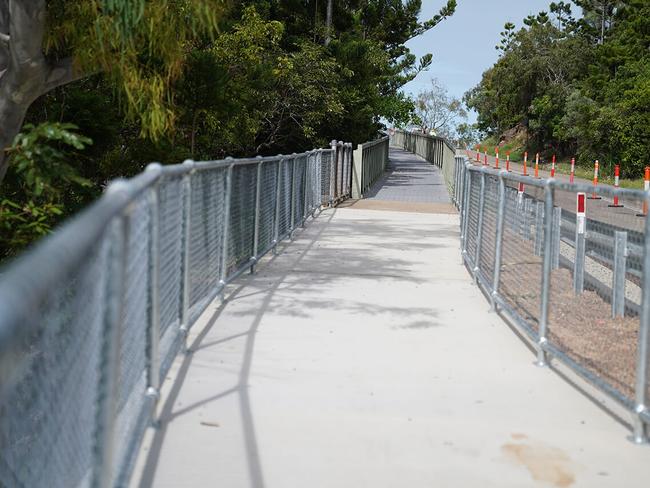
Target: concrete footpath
point(363, 356)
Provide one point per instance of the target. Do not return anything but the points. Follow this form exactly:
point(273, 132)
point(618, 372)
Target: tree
point(45, 44)
point(437, 111)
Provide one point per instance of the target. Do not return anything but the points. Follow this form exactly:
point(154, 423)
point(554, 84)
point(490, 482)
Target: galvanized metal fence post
point(225, 233)
point(498, 245)
point(479, 232)
point(546, 273)
point(109, 370)
point(293, 195)
point(305, 174)
point(256, 231)
point(618, 277)
point(276, 213)
point(641, 434)
point(333, 171)
point(187, 236)
point(153, 346)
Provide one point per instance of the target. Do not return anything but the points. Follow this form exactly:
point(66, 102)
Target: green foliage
point(578, 86)
point(40, 181)
point(177, 79)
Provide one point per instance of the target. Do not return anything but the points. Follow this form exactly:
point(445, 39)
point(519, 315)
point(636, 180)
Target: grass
point(588, 174)
point(606, 175)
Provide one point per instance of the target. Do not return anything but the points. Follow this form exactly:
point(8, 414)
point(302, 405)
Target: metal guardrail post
point(226, 232)
point(641, 434)
point(498, 245)
point(557, 236)
point(293, 196)
point(256, 232)
point(546, 273)
point(187, 237)
point(305, 173)
point(618, 277)
point(109, 370)
point(479, 232)
point(539, 228)
point(153, 349)
point(276, 213)
point(579, 262)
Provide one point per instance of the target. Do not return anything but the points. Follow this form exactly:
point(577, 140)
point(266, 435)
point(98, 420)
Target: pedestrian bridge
point(352, 349)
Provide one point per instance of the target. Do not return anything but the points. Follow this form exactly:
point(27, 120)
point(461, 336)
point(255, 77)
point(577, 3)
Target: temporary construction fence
point(369, 163)
point(92, 317)
point(547, 253)
point(437, 150)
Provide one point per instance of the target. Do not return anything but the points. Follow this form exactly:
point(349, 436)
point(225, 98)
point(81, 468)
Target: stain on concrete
point(544, 463)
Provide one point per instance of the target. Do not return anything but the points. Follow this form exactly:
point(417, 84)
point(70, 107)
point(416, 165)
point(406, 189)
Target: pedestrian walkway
point(363, 356)
point(409, 178)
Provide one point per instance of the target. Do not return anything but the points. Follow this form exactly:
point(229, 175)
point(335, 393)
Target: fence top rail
point(427, 136)
point(26, 281)
point(604, 190)
point(370, 144)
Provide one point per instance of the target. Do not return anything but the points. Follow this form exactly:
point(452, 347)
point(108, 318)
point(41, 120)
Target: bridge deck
point(363, 356)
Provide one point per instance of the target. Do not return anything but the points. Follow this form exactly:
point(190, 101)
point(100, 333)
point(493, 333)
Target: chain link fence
point(92, 318)
point(567, 266)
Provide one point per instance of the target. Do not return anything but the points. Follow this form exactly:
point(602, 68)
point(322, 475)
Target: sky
point(463, 45)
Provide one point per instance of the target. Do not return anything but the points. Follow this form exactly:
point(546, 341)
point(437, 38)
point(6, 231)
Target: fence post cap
point(118, 185)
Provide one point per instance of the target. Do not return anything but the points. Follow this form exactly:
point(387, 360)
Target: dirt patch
point(579, 325)
point(544, 463)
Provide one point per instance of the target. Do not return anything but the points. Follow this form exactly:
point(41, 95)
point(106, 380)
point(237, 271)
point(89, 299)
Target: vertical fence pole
point(618, 278)
point(479, 232)
point(539, 228)
point(153, 346)
point(333, 171)
point(641, 429)
point(546, 273)
point(293, 196)
point(498, 245)
point(256, 232)
point(225, 233)
point(276, 214)
point(109, 369)
point(187, 236)
point(305, 165)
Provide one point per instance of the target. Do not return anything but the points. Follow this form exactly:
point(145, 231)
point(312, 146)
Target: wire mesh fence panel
point(241, 229)
point(132, 366)
point(299, 189)
point(206, 230)
point(520, 280)
point(284, 214)
point(49, 384)
point(489, 228)
point(595, 292)
point(171, 210)
point(268, 193)
point(325, 175)
point(472, 214)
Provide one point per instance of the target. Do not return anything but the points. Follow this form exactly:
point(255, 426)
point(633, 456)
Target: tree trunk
point(328, 22)
point(25, 74)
